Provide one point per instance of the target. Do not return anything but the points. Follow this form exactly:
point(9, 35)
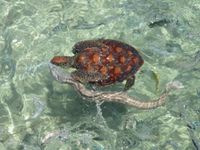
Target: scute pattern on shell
point(113, 60)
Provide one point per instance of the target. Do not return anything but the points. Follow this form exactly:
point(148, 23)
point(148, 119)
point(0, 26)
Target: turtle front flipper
point(129, 83)
point(86, 77)
point(78, 47)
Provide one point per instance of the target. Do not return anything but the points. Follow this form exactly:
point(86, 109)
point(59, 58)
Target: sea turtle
point(102, 62)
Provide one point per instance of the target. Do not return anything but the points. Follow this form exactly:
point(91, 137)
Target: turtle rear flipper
point(129, 83)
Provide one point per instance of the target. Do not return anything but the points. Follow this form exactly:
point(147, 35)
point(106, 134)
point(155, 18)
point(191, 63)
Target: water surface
point(36, 112)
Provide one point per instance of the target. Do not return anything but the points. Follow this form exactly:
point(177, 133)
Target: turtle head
point(62, 61)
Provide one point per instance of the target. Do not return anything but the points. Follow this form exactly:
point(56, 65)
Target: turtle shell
point(108, 59)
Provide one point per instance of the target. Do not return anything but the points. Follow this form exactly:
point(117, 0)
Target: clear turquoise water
point(36, 112)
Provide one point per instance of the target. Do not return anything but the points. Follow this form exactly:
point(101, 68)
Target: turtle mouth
point(59, 60)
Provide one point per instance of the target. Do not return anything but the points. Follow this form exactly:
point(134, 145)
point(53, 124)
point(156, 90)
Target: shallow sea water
point(37, 112)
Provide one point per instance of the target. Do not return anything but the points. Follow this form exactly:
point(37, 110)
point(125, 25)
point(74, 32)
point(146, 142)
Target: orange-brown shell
point(114, 60)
